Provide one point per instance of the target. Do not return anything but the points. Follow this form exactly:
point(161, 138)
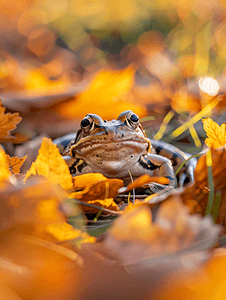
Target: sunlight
point(209, 85)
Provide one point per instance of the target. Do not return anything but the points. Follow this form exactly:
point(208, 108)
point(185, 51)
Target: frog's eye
point(133, 120)
point(87, 124)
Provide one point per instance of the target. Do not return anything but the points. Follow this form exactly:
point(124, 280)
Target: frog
point(120, 149)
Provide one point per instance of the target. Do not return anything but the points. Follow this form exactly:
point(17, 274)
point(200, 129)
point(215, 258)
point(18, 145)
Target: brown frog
point(119, 147)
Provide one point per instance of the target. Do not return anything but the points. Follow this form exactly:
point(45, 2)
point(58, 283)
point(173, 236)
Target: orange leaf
point(103, 189)
point(216, 134)
point(8, 122)
point(65, 232)
point(15, 163)
point(106, 203)
point(50, 164)
point(81, 181)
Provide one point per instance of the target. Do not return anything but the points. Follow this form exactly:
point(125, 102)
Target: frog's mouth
point(89, 145)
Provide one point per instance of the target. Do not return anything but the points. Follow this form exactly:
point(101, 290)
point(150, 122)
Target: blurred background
point(60, 60)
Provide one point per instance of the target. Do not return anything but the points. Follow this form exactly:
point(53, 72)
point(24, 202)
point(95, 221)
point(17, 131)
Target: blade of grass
point(210, 202)
point(194, 135)
point(163, 126)
point(184, 162)
point(204, 112)
point(105, 197)
point(131, 178)
point(216, 207)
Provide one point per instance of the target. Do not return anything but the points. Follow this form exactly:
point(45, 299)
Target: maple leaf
point(15, 163)
point(8, 122)
point(50, 164)
point(216, 134)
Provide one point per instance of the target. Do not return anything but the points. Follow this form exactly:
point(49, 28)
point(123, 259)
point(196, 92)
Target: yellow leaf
point(8, 122)
point(65, 232)
point(50, 164)
point(216, 134)
point(15, 163)
point(4, 166)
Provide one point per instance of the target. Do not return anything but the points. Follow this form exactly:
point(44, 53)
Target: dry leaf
point(199, 191)
point(84, 180)
point(8, 122)
point(50, 164)
point(4, 167)
point(173, 230)
point(106, 203)
point(65, 232)
point(15, 163)
point(101, 190)
point(216, 134)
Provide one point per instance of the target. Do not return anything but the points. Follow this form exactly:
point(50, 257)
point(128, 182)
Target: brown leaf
point(100, 190)
point(106, 203)
point(173, 231)
point(8, 122)
point(199, 191)
point(15, 163)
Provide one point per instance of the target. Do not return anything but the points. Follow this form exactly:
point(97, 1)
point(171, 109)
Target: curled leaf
point(15, 163)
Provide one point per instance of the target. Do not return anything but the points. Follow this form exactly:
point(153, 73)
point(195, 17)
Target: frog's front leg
point(156, 165)
point(177, 157)
point(77, 166)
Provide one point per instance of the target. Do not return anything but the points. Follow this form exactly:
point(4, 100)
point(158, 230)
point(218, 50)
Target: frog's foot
point(156, 188)
point(187, 176)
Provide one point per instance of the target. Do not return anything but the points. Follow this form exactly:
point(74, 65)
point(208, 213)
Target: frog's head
point(110, 147)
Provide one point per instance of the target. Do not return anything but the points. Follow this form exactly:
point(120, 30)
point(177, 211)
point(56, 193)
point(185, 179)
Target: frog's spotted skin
point(114, 147)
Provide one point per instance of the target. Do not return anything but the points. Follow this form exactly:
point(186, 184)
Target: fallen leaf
point(8, 122)
point(139, 241)
point(199, 191)
point(15, 163)
point(84, 180)
point(106, 203)
point(4, 167)
point(50, 164)
point(101, 190)
point(65, 232)
point(216, 134)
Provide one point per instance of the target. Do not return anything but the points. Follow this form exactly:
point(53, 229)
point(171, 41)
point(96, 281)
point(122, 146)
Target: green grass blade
point(210, 202)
